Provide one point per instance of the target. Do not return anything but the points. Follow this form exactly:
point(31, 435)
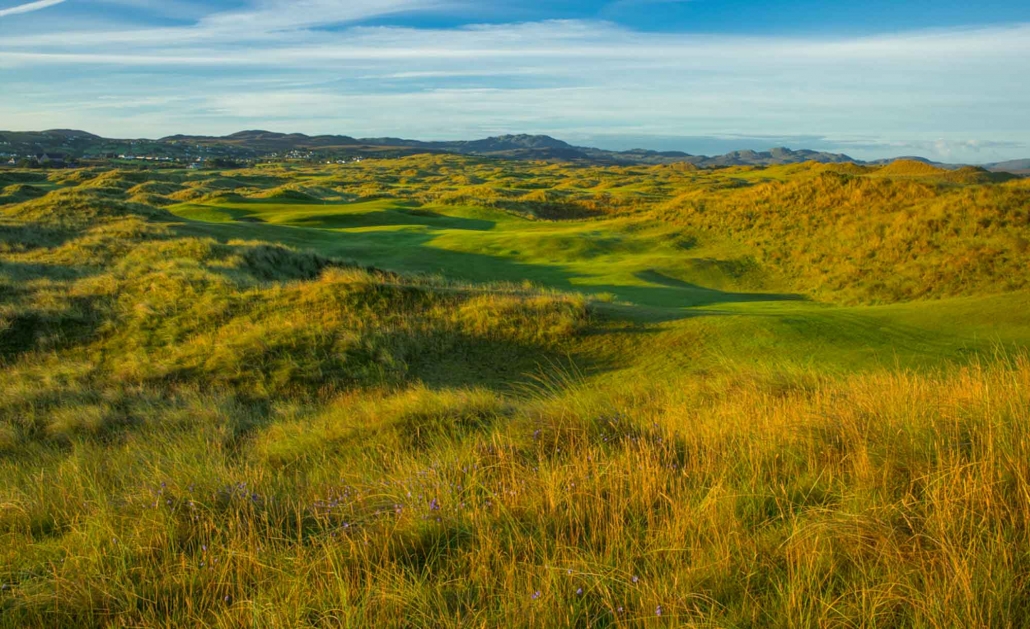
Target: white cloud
point(933, 90)
point(280, 15)
point(29, 7)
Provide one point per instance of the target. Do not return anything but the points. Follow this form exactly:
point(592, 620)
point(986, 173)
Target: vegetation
point(451, 391)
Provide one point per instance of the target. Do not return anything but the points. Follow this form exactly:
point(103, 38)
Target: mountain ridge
point(262, 144)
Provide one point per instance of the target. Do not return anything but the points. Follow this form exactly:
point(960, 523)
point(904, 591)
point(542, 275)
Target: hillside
point(902, 232)
point(267, 145)
point(1017, 166)
point(457, 390)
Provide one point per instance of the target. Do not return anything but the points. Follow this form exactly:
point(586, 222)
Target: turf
point(479, 244)
point(459, 392)
point(647, 269)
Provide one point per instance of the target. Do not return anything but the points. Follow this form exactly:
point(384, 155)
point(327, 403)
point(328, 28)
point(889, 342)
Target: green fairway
point(709, 292)
point(596, 257)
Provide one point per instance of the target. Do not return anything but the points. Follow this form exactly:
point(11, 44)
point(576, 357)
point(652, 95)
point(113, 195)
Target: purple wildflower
point(658, 611)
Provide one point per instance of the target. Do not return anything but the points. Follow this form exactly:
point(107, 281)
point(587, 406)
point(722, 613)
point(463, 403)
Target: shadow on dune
point(703, 296)
point(412, 251)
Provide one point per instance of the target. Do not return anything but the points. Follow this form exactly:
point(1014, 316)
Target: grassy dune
point(444, 391)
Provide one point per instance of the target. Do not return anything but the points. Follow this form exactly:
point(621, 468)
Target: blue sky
point(877, 78)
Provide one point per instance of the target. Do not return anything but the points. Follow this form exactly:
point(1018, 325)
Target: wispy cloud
point(283, 15)
point(948, 92)
point(29, 7)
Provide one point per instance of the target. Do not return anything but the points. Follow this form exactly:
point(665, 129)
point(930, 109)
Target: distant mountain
point(1016, 166)
point(510, 143)
point(267, 141)
point(64, 141)
point(521, 146)
point(769, 158)
point(912, 158)
point(259, 144)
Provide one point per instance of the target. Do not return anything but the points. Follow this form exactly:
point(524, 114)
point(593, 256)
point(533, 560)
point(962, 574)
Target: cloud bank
point(312, 66)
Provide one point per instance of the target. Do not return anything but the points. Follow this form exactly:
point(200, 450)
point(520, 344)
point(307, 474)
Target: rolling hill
point(257, 144)
point(452, 390)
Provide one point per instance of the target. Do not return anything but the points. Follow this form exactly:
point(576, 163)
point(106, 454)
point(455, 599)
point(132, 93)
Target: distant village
point(155, 154)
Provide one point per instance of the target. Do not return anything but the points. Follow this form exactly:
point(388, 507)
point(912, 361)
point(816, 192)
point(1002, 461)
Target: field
point(465, 392)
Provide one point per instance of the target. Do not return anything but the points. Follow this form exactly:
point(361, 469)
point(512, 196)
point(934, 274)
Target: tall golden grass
point(199, 432)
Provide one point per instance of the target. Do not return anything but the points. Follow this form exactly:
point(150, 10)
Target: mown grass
point(346, 397)
point(836, 233)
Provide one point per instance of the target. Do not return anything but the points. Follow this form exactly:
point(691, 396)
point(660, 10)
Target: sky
point(947, 80)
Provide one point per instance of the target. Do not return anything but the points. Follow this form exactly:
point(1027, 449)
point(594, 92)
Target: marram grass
point(878, 500)
point(286, 397)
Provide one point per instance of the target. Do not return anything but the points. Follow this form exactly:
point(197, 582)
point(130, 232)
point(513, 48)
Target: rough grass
point(889, 499)
point(875, 239)
point(237, 424)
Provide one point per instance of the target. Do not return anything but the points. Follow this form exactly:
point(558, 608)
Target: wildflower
point(579, 592)
point(226, 599)
point(434, 505)
point(536, 594)
point(635, 579)
point(619, 610)
point(658, 611)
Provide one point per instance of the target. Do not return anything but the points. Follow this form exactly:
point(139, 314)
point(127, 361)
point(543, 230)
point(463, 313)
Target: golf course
point(458, 391)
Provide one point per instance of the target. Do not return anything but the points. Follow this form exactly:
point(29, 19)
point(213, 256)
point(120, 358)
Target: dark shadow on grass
point(28, 237)
point(393, 217)
point(706, 296)
point(411, 251)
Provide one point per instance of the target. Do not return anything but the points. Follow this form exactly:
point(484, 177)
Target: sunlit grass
point(404, 394)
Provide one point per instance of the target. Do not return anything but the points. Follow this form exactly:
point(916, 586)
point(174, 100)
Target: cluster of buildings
point(147, 158)
point(52, 160)
point(294, 154)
